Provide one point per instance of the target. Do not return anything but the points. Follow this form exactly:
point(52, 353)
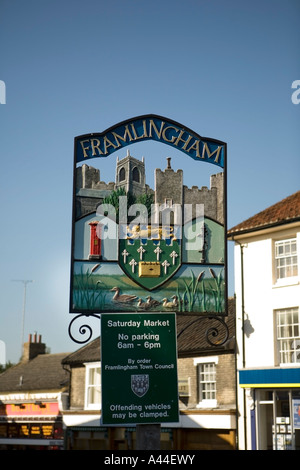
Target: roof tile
point(44, 372)
point(284, 211)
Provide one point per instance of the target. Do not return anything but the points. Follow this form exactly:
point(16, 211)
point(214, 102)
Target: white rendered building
point(267, 285)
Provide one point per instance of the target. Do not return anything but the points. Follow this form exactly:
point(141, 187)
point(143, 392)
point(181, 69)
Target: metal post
point(148, 437)
point(25, 282)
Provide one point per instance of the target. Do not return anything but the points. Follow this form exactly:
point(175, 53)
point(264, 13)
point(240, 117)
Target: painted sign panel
point(150, 128)
point(138, 359)
point(151, 237)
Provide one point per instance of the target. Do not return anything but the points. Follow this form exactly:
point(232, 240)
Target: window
point(286, 258)
point(122, 174)
point(135, 175)
point(93, 387)
point(288, 337)
point(207, 383)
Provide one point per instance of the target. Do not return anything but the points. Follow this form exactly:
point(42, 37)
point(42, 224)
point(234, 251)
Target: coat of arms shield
point(150, 255)
point(140, 384)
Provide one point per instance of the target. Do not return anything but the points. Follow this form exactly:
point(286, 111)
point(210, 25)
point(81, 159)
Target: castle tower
point(168, 185)
point(130, 175)
point(168, 191)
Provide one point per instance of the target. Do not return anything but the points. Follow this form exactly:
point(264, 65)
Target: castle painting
point(140, 248)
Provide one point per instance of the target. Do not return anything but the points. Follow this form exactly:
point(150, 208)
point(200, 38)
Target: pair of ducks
point(153, 303)
point(126, 298)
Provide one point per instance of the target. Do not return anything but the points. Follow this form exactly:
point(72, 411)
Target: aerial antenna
point(25, 282)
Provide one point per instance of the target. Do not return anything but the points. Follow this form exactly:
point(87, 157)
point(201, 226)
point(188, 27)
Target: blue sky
point(223, 69)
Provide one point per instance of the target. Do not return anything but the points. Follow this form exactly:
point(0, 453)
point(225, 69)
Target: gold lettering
point(108, 143)
point(158, 133)
point(136, 137)
point(195, 146)
point(182, 140)
point(164, 134)
point(209, 155)
point(84, 149)
point(126, 134)
point(145, 128)
point(95, 146)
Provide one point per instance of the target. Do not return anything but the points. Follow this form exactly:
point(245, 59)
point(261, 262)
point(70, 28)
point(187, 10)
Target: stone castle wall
point(212, 197)
point(168, 187)
point(88, 177)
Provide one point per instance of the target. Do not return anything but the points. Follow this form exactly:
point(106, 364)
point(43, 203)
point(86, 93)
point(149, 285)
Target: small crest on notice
point(140, 384)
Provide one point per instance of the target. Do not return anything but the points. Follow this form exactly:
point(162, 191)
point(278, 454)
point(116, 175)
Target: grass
point(194, 294)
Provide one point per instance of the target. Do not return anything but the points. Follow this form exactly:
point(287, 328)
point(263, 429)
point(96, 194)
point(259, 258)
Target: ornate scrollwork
point(212, 332)
point(83, 329)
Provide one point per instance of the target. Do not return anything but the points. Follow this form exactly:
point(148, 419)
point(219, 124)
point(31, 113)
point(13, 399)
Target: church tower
point(130, 175)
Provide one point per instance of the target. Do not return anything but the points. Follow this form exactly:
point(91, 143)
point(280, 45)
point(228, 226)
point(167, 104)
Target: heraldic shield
point(151, 255)
point(140, 384)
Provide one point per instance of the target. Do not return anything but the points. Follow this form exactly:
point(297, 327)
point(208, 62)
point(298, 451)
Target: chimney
point(33, 348)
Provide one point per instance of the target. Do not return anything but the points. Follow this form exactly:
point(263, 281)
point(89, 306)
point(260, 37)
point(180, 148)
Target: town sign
point(137, 247)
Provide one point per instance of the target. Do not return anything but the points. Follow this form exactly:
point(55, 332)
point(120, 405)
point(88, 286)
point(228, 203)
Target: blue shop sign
point(262, 378)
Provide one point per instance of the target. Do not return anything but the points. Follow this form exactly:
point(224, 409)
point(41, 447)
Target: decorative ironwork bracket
point(83, 329)
point(210, 333)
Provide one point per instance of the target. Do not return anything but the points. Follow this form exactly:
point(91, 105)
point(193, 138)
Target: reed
point(86, 293)
point(200, 294)
point(217, 291)
point(191, 293)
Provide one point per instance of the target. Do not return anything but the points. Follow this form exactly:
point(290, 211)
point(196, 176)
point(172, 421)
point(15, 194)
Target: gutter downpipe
point(243, 337)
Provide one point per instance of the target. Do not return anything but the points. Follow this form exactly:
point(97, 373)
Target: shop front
point(197, 430)
point(31, 426)
point(275, 411)
point(109, 438)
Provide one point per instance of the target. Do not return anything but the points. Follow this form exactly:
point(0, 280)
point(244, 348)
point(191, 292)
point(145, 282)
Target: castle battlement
point(211, 198)
point(169, 188)
point(88, 177)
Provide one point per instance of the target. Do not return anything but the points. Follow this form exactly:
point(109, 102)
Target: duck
point(124, 298)
point(143, 305)
point(167, 304)
point(152, 302)
point(175, 300)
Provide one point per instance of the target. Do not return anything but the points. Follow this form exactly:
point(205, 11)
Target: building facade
point(267, 286)
point(206, 387)
point(32, 395)
point(53, 401)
